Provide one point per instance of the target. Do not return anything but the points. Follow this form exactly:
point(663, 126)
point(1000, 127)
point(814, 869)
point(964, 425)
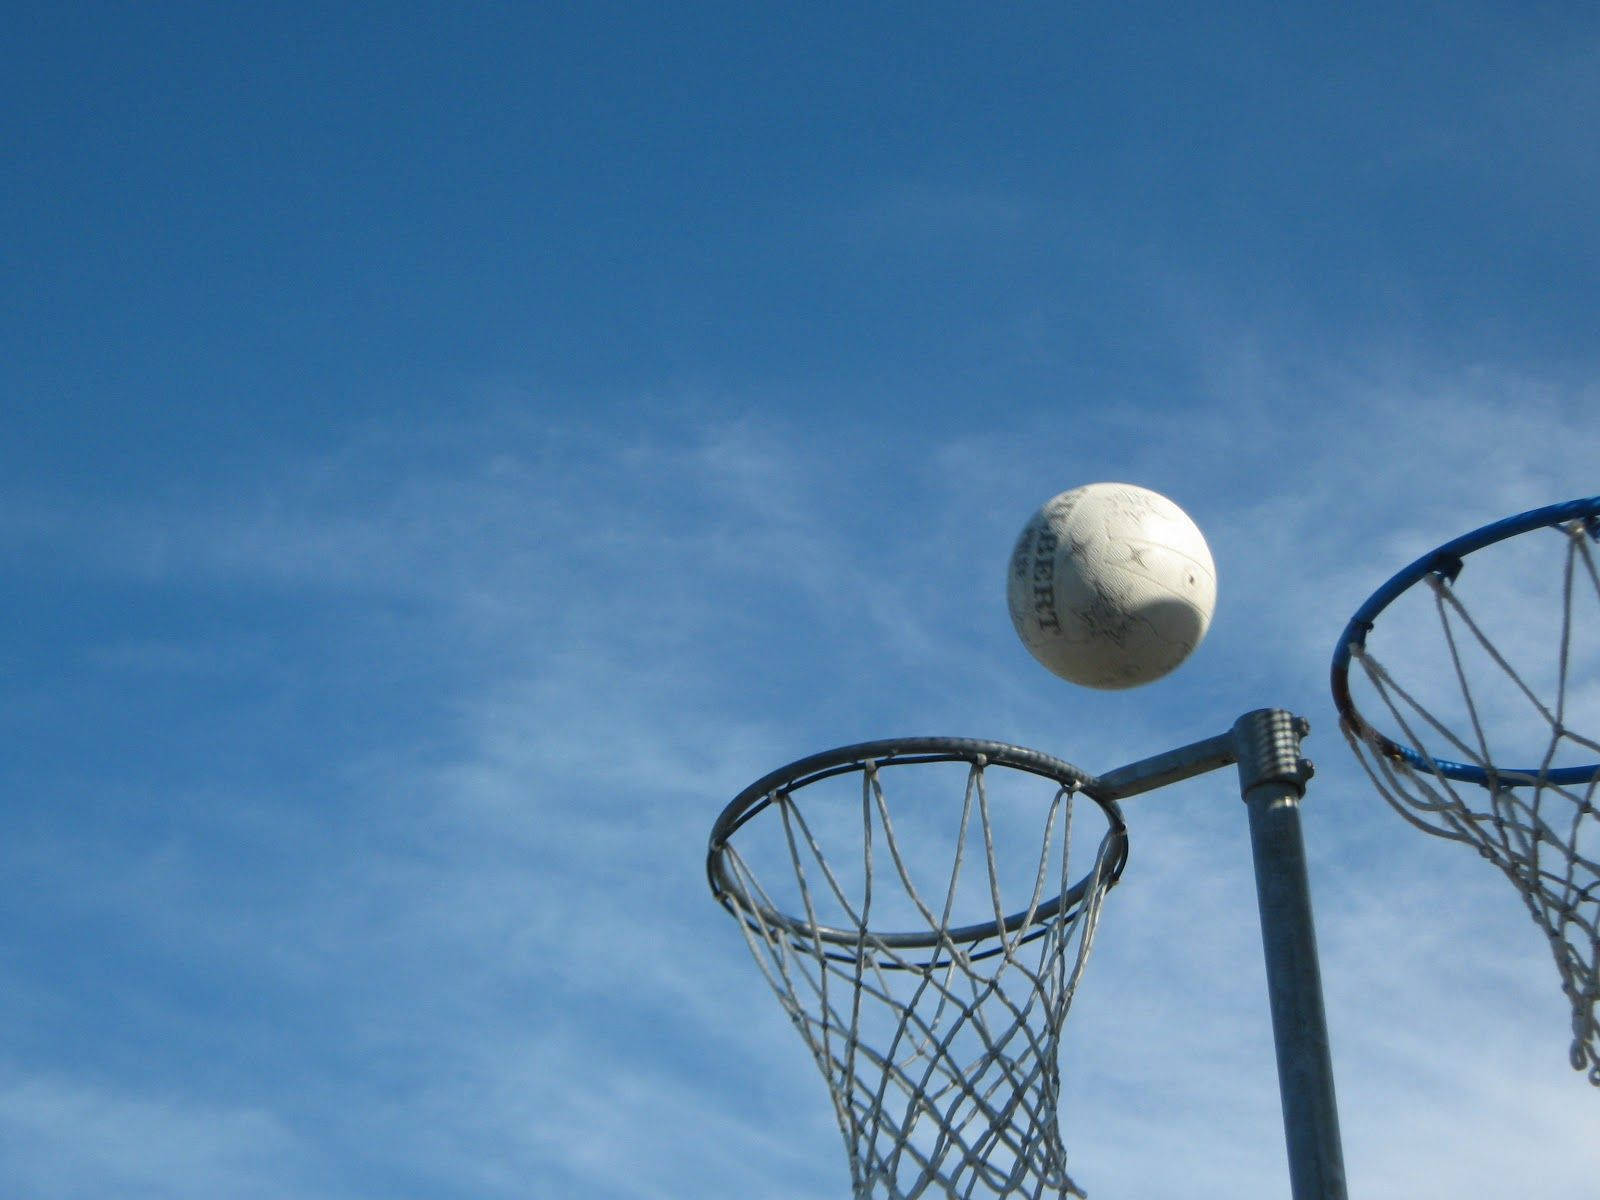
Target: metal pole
point(1272, 779)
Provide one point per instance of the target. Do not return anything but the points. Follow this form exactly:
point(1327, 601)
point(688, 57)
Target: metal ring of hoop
point(1447, 561)
point(889, 752)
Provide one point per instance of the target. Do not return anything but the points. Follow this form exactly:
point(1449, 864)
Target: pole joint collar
point(1267, 743)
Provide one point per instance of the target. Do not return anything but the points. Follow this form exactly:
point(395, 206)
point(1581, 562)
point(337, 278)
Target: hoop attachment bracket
point(1267, 743)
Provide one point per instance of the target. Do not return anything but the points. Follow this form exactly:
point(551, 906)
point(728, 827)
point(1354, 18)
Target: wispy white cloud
point(62, 1137)
point(616, 635)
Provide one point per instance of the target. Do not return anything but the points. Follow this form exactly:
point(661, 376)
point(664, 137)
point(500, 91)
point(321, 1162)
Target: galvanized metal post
point(1272, 779)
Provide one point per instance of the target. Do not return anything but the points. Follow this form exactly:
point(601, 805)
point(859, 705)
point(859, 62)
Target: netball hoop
point(938, 1040)
point(923, 914)
point(1475, 709)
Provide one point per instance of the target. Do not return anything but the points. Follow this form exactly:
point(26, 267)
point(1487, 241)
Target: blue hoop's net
point(1491, 732)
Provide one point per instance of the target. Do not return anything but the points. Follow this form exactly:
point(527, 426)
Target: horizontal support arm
point(1159, 770)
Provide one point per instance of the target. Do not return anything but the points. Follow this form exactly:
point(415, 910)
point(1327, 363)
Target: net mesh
point(1536, 820)
point(940, 1055)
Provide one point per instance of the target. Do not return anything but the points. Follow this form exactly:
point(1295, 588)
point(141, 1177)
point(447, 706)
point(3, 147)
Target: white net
point(939, 1042)
point(1499, 708)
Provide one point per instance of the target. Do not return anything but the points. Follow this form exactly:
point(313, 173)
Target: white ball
point(1111, 586)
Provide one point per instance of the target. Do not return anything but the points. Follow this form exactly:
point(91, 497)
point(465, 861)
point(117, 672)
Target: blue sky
point(451, 450)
